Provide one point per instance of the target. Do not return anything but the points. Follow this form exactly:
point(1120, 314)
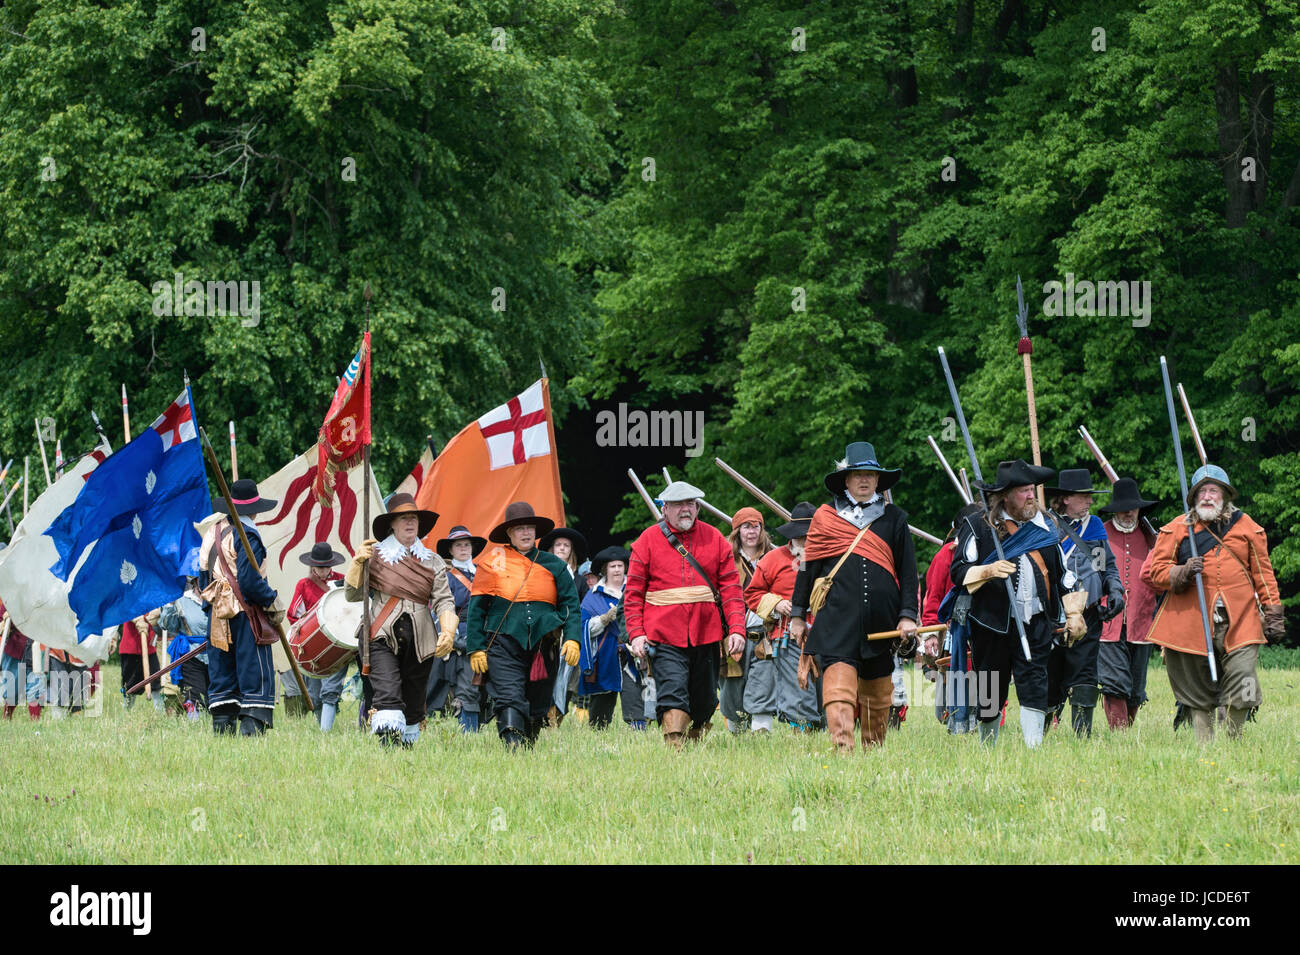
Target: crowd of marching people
point(525, 626)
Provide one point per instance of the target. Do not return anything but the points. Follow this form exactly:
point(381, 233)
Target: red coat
point(307, 595)
point(775, 574)
point(1130, 552)
point(937, 583)
point(656, 566)
point(130, 642)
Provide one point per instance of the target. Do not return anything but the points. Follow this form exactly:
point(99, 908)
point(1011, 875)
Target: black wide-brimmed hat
point(1125, 497)
point(322, 555)
point(603, 557)
point(573, 537)
point(1018, 473)
point(800, 519)
point(861, 456)
point(460, 533)
point(398, 505)
point(1075, 481)
point(247, 501)
point(520, 512)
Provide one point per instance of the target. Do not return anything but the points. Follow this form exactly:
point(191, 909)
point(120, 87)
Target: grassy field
point(140, 787)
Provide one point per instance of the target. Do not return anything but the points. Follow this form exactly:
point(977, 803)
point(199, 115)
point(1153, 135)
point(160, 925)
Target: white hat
point(681, 491)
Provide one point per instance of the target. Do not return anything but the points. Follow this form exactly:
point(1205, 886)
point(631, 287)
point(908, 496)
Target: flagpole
point(126, 417)
point(44, 460)
point(234, 460)
point(58, 457)
point(27, 480)
point(233, 516)
point(365, 513)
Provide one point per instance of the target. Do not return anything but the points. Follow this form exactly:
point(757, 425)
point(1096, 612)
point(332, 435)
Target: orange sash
point(830, 535)
point(501, 571)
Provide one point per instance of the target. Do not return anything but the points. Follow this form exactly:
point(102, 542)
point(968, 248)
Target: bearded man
point(1042, 597)
point(1241, 597)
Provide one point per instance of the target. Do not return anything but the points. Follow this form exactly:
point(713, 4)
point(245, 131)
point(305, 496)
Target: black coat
point(990, 607)
point(863, 597)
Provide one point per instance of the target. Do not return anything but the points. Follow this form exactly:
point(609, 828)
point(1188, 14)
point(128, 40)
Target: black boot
point(1083, 700)
point(225, 722)
point(1182, 715)
point(390, 738)
point(513, 729)
point(251, 726)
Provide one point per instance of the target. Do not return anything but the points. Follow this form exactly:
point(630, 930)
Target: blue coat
point(600, 653)
point(256, 590)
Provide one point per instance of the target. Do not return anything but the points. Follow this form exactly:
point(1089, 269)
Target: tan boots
point(874, 699)
point(840, 699)
point(673, 723)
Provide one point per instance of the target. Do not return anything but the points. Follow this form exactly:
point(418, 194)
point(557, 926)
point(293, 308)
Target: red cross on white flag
point(516, 430)
point(176, 424)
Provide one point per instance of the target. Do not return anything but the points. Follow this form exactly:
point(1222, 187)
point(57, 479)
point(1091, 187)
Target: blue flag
point(128, 541)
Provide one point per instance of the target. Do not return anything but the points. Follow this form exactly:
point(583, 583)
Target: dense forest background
point(771, 212)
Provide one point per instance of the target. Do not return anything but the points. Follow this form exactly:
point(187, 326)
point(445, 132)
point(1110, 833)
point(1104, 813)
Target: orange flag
point(506, 455)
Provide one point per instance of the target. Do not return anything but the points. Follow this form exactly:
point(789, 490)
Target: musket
point(1191, 525)
point(979, 479)
point(1111, 474)
point(645, 495)
point(754, 489)
point(233, 515)
point(1025, 348)
point(947, 469)
point(1196, 432)
point(163, 671)
point(715, 511)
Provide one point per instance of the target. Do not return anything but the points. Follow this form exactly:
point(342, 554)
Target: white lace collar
point(391, 552)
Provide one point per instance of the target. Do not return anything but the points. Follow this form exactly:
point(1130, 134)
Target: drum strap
point(384, 614)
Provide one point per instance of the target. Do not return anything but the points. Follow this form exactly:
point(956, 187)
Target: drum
point(325, 639)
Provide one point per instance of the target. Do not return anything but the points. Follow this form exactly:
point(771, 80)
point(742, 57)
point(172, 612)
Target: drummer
point(406, 580)
point(324, 691)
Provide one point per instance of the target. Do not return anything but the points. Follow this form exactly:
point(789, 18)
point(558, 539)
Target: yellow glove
point(447, 624)
point(478, 661)
point(977, 576)
point(571, 652)
point(366, 550)
point(353, 577)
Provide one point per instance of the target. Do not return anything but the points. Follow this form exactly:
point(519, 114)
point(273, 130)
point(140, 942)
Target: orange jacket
point(1237, 571)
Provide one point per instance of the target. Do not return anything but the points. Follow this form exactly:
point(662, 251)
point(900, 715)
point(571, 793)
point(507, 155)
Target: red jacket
point(656, 567)
point(306, 596)
point(1130, 552)
point(130, 642)
point(775, 574)
point(937, 583)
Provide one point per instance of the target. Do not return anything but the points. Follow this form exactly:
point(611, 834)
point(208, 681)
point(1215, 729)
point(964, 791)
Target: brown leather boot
point(1116, 712)
point(840, 700)
point(9, 711)
point(698, 731)
point(674, 723)
point(874, 699)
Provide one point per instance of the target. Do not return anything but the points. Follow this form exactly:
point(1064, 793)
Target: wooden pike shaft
point(947, 469)
point(234, 460)
point(27, 470)
point(1033, 425)
point(5, 503)
point(1191, 421)
point(920, 631)
point(126, 416)
point(645, 495)
point(1106, 467)
point(365, 571)
point(174, 663)
point(965, 482)
point(144, 659)
point(233, 517)
point(45, 462)
point(752, 488)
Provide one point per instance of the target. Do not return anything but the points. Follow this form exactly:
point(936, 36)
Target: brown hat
point(398, 505)
point(520, 512)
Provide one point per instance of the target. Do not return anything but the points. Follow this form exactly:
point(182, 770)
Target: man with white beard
point(1241, 596)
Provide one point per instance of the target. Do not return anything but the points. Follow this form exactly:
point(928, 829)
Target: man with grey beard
point(1241, 596)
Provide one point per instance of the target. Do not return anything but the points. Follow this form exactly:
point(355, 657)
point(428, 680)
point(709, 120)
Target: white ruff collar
point(391, 552)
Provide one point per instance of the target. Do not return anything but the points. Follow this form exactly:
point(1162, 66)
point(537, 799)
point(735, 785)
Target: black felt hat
point(322, 555)
point(1125, 497)
point(1017, 473)
point(861, 456)
point(460, 533)
point(800, 519)
point(247, 501)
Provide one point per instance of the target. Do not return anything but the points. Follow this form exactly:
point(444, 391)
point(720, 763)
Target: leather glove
point(1114, 603)
point(1274, 623)
point(596, 625)
point(353, 577)
point(571, 652)
point(1074, 602)
point(610, 615)
point(478, 661)
point(1180, 575)
point(976, 577)
point(448, 623)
